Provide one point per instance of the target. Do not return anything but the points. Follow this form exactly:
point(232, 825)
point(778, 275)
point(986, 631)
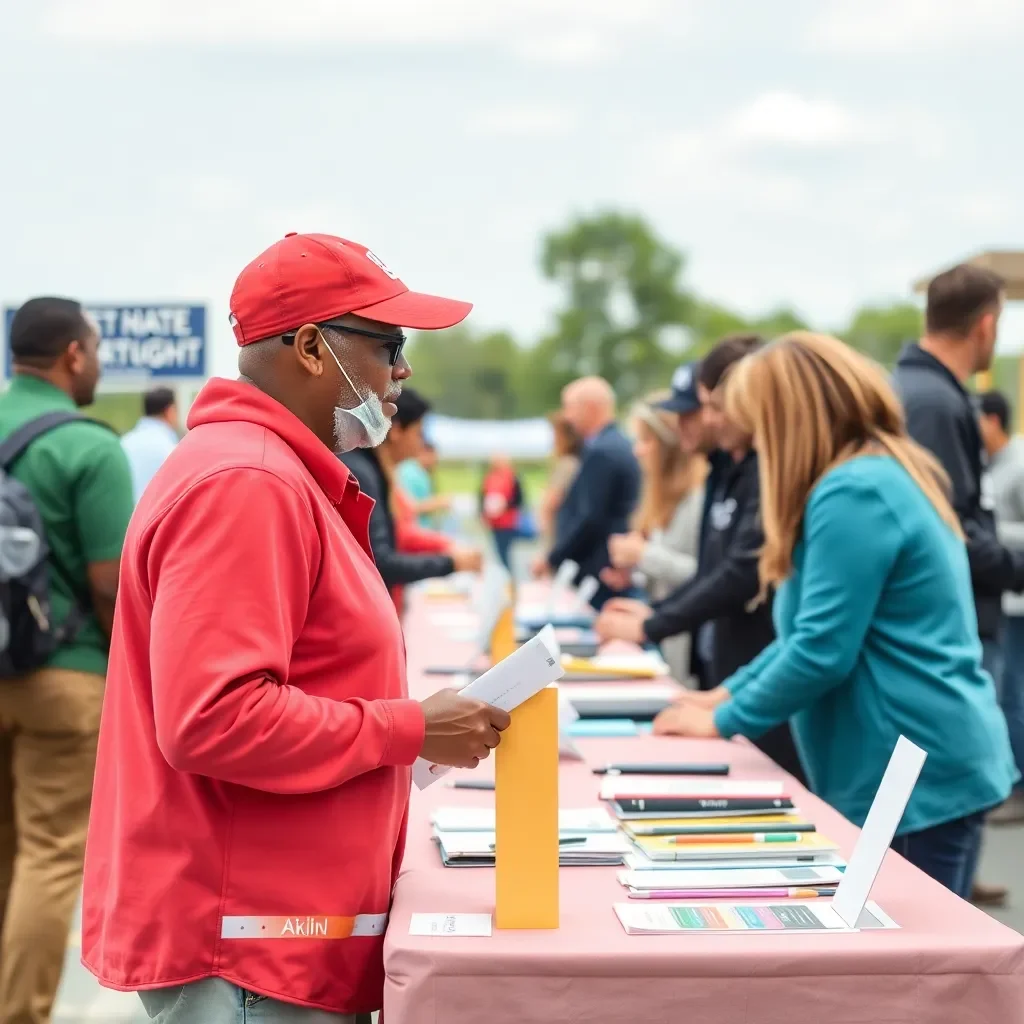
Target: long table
point(949, 963)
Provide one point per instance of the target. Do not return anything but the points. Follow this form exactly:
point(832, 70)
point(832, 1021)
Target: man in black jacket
point(372, 469)
point(715, 606)
point(961, 321)
point(604, 492)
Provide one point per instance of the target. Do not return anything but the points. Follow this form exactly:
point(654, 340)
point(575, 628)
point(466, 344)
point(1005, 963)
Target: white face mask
point(365, 426)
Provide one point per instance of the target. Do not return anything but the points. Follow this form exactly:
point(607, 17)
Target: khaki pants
point(48, 727)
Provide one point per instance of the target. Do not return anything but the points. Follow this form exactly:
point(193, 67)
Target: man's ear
point(308, 349)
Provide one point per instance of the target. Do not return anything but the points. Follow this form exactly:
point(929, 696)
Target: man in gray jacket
point(1004, 483)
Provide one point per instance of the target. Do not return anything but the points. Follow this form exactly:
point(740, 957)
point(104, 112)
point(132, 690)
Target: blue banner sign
point(165, 341)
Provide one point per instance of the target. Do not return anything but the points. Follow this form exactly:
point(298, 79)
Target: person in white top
point(660, 551)
point(153, 438)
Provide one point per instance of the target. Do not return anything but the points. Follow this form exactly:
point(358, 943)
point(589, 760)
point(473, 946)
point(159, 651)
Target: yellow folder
point(503, 636)
point(526, 816)
point(609, 666)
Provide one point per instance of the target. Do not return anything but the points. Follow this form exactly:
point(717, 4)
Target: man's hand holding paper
point(460, 731)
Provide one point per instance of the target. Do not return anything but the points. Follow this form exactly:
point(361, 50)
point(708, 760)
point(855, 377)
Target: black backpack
point(28, 634)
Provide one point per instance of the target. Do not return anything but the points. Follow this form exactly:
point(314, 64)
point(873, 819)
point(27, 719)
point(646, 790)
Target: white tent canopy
point(480, 439)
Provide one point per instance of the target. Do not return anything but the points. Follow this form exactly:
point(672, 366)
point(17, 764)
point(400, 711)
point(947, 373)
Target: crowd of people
point(853, 572)
point(827, 557)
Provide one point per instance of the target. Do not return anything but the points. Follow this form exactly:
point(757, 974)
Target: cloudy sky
point(814, 153)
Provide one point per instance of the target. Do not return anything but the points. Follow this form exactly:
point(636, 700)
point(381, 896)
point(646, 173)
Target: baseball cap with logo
point(312, 278)
point(684, 398)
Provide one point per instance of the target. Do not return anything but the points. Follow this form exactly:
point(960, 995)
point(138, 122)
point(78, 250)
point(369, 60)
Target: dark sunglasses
point(394, 343)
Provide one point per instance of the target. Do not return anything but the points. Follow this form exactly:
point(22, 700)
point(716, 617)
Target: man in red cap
point(254, 760)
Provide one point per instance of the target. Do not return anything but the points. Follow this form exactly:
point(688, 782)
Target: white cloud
point(540, 29)
point(786, 118)
point(523, 122)
point(907, 26)
point(706, 164)
point(568, 48)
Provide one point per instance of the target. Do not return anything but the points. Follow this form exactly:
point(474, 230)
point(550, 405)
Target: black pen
point(472, 784)
point(662, 769)
point(565, 840)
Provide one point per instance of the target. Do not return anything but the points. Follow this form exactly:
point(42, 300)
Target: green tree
point(621, 287)
point(881, 331)
point(465, 374)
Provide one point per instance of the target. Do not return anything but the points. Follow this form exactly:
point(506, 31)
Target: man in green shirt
point(79, 478)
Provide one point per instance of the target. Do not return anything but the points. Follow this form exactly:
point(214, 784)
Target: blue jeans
point(216, 1001)
point(947, 852)
point(1010, 684)
point(503, 541)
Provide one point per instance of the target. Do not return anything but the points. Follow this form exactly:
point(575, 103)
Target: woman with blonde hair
point(665, 530)
point(877, 635)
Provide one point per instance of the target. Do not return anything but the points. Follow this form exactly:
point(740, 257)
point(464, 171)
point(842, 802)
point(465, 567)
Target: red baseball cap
point(311, 278)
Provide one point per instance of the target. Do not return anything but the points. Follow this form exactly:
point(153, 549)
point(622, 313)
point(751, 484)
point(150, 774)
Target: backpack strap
point(10, 449)
point(13, 446)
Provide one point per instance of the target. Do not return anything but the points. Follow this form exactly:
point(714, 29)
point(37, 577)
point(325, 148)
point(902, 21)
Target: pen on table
point(735, 837)
point(728, 894)
point(565, 841)
point(472, 784)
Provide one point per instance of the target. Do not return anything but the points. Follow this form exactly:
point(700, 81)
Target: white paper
point(571, 820)
point(560, 585)
point(880, 826)
point(634, 786)
point(506, 685)
point(476, 925)
point(586, 590)
point(802, 877)
point(567, 714)
point(481, 844)
point(493, 600)
point(639, 861)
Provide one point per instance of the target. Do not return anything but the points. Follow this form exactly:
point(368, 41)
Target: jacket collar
point(224, 401)
point(915, 357)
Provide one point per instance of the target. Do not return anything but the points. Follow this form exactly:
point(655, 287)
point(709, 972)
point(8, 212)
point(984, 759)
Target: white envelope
point(508, 684)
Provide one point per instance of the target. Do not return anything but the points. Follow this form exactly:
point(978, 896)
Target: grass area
point(467, 477)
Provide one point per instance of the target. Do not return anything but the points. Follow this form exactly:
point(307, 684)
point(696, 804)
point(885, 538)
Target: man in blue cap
point(714, 606)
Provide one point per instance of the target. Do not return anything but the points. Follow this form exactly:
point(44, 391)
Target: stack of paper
point(571, 820)
point(708, 880)
point(801, 848)
point(635, 700)
point(476, 849)
point(638, 797)
point(639, 665)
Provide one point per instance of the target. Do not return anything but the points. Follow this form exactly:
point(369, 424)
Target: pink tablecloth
point(948, 964)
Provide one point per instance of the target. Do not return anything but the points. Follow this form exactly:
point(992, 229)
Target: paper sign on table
point(615, 787)
point(506, 685)
point(567, 715)
point(561, 584)
point(879, 827)
point(477, 925)
point(586, 590)
point(792, 916)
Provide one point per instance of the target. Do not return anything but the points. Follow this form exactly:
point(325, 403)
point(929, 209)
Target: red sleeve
point(414, 539)
point(231, 565)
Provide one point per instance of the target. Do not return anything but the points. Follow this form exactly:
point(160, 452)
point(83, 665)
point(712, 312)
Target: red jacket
point(502, 499)
point(252, 782)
